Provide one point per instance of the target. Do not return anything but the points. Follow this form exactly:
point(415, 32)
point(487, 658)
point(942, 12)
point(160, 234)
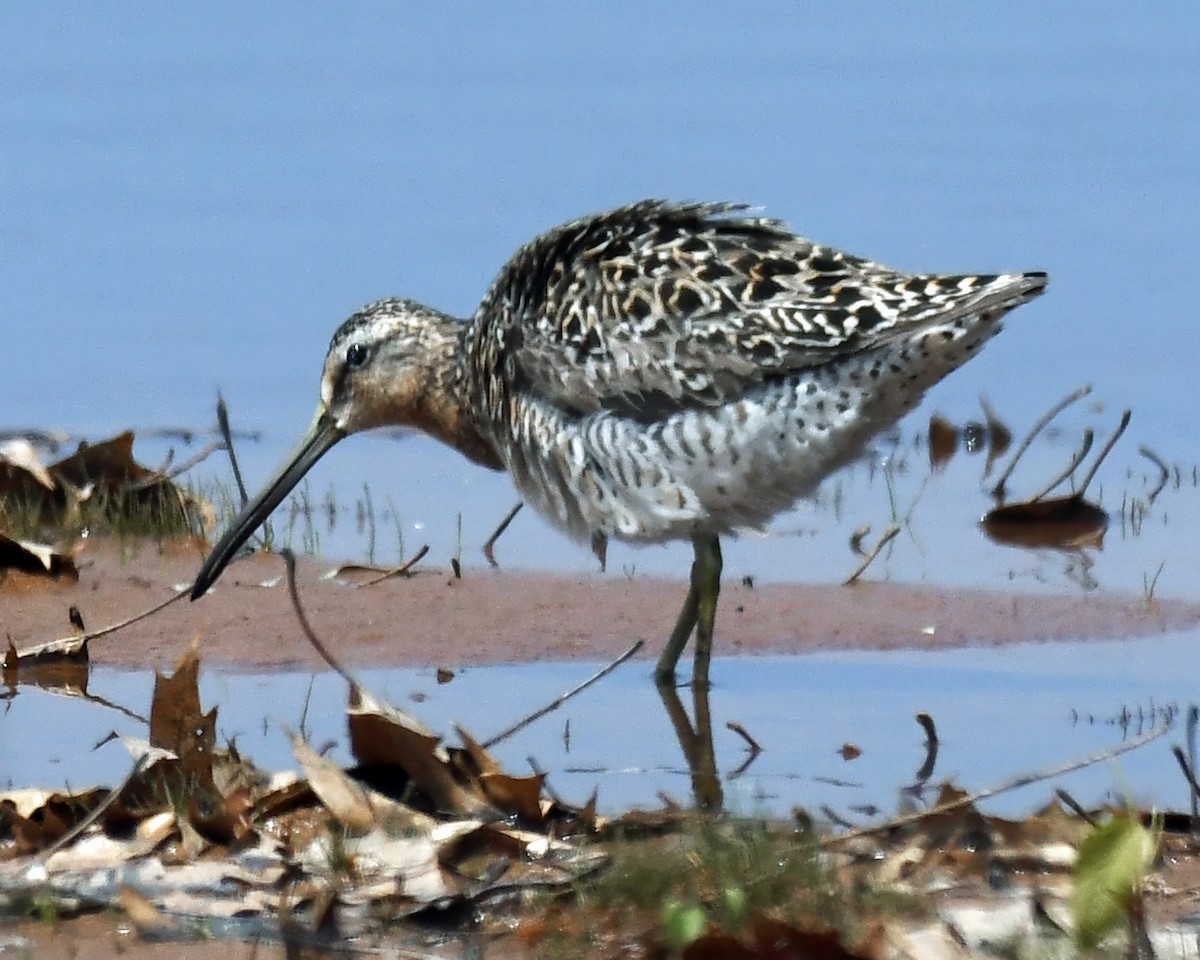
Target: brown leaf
point(943, 441)
point(176, 723)
point(714, 945)
point(383, 734)
point(21, 470)
point(108, 464)
point(1063, 523)
point(36, 559)
point(151, 923)
point(60, 663)
point(776, 940)
point(519, 795)
point(341, 795)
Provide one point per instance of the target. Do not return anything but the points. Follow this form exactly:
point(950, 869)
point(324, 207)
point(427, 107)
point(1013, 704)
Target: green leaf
point(1113, 859)
point(682, 923)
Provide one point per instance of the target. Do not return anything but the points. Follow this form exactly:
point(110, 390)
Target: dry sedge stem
point(869, 556)
point(489, 546)
point(563, 698)
point(1054, 411)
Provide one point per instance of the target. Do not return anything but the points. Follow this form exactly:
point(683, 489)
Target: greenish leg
point(698, 613)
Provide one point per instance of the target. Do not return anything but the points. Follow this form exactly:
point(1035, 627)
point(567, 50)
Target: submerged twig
point(1105, 450)
point(227, 436)
point(1038, 427)
point(925, 771)
point(1076, 460)
point(490, 543)
point(1164, 474)
point(870, 555)
point(1009, 785)
point(564, 697)
point(752, 745)
point(289, 559)
point(1188, 774)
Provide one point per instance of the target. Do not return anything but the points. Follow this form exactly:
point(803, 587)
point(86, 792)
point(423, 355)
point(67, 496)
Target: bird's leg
point(698, 613)
point(708, 561)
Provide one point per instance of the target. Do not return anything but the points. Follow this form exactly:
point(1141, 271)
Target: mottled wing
point(656, 306)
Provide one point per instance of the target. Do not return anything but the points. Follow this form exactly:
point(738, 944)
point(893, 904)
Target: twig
point(752, 745)
point(491, 541)
point(165, 472)
point(563, 698)
point(1104, 451)
point(1188, 773)
point(227, 436)
point(399, 571)
point(80, 638)
point(289, 559)
point(1193, 719)
point(1163, 473)
point(871, 554)
point(925, 771)
point(1076, 460)
point(1054, 411)
point(1006, 787)
point(1075, 806)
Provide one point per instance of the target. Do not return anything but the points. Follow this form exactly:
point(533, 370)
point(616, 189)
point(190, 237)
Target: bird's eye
point(356, 355)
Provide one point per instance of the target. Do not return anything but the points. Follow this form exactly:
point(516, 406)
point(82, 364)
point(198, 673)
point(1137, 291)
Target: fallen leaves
point(196, 831)
point(100, 484)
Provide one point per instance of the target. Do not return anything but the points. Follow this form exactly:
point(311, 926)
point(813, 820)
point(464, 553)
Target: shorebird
point(661, 371)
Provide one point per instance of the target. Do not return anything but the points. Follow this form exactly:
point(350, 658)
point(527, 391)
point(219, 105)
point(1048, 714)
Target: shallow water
point(193, 200)
point(1000, 713)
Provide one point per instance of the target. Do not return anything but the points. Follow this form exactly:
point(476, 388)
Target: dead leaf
point(1061, 523)
point(382, 734)
point(151, 923)
point(19, 466)
point(36, 558)
point(176, 722)
point(341, 795)
point(943, 441)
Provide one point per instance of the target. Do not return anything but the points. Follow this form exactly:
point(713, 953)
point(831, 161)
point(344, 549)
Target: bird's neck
point(443, 409)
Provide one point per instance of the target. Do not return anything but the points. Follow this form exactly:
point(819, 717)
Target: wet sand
point(496, 616)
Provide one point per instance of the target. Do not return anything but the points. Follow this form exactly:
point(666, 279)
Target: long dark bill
point(322, 435)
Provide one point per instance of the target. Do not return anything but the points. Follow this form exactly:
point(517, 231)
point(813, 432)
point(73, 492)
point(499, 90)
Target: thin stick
point(884, 540)
point(78, 638)
point(1006, 787)
point(563, 698)
point(227, 436)
point(1188, 774)
point(289, 558)
point(1088, 438)
point(491, 541)
point(165, 472)
point(399, 571)
point(1076, 807)
point(1054, 411)
point(1104, 451)
point(752, 745)
point(1163, 473)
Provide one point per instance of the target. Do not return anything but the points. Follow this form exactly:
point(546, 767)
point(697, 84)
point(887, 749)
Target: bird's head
point(380, 364)
point(387, 365)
